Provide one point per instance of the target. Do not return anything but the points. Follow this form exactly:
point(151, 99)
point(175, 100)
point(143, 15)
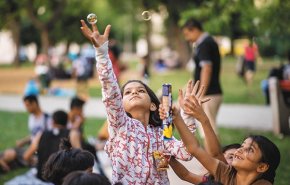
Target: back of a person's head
point(64, 161)
point(76, 102)
point(210, 183)
point(31, 98)
point(85, 178)
point(270, 156)
point(154, 118)
point(60, 117)
point(192, 23)
point(231, 146)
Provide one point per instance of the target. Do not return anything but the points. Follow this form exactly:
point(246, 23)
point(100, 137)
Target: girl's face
point(248, 156)
point(135, 96)
point(229, 155)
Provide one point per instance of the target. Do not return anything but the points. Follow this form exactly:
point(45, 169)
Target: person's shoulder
point(208, 41)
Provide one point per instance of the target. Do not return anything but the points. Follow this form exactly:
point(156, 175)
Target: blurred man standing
point(207, 70)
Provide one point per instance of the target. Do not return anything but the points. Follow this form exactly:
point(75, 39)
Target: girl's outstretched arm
point(111, 94)
point(213, 144)
point(183, 173)
point(191, 143)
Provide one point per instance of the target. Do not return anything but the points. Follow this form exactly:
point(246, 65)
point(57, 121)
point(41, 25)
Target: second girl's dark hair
point(154, 118)
point(85, 178)
point(231, 146)
point(270, 156)
point(64, 161)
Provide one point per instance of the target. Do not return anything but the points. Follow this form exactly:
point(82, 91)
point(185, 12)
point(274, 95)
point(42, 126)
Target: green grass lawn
point(234, 88)
point(14, 126)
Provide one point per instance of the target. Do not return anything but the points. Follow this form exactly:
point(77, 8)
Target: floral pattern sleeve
point(111, 94)
point(177, 147)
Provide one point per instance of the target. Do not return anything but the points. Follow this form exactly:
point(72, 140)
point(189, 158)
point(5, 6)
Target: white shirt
point(38, 124)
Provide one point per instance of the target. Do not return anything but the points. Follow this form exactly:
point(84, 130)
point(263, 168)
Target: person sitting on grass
point(45, 143)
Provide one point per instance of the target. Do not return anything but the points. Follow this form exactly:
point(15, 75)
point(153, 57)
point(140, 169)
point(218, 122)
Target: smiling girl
point(255, 162)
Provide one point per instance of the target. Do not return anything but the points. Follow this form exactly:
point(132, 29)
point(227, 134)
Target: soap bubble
point(146, 15)
point(92, 18)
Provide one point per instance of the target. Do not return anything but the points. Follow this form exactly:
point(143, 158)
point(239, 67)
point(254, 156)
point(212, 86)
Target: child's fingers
point(95, 28)
point(85, 33)
point(180, 96)
point(162, 113)
point(189, 104)
point(84, 25)
point(193, 99)
point(200, 91)
point(205, 100)
point(188, 112)
point(189, 86)
point(107, 31)
point(196, 85)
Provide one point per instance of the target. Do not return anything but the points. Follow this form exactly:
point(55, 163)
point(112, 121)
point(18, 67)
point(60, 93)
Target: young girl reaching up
point(134, 122)
point(255, 162)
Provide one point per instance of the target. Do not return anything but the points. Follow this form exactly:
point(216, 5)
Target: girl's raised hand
point(193, 107)
point(191, 90)
point(163, 113)
point(94, 36)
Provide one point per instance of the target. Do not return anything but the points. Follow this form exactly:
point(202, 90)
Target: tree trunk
point(45, 43)
point(148, 38)
point(15, 27)
point(177, 42)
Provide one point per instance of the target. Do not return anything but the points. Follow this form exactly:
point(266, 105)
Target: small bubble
point(146, 15)
point(92, 18)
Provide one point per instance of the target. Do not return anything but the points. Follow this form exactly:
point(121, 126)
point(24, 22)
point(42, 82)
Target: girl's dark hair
point(64, 161)
point(85, 178)
point(231, 146)
point(270, 156)
point(154, 118)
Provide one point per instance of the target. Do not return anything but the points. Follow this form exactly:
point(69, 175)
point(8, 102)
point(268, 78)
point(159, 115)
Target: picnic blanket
point(29, 178)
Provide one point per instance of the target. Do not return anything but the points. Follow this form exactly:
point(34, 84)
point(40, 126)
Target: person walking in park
point(251, 54)
point(208, 64)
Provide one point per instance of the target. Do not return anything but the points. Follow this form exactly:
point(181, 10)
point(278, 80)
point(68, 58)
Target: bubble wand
point(167, 104)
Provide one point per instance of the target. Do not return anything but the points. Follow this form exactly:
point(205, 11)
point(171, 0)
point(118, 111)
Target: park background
point(31, 27)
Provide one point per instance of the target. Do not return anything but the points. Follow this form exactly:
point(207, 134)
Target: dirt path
point(13, 81)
